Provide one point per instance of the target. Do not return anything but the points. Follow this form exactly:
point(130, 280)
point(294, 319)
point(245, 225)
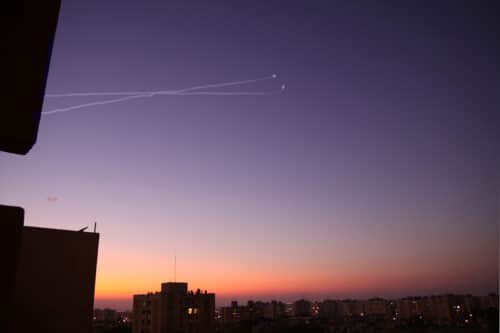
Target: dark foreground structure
point(28, 40)
point(48, 275)
point(53, 284)
point(174, 310)
point(423, 314)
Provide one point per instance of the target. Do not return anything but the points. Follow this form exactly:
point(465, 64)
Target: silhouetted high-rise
point(174, 309)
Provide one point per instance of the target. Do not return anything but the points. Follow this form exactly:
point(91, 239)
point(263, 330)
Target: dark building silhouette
point(302, 308)
point(174, 310)
point(11, 219)
point(234, 314)
point(53, 287)
point(48, 274)
point(252, 311)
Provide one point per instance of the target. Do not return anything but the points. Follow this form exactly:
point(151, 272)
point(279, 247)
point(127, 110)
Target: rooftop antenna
point(95, 226)
point(83, 229)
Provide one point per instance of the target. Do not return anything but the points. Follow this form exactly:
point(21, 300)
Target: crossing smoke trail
point(181, 92)
point(165, 92)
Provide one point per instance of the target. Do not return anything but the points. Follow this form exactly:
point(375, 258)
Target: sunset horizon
point(265, 151)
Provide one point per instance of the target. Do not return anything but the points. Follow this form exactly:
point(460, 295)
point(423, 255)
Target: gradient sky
point(376, 172)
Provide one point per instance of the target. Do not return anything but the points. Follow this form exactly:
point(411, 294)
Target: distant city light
point(234, 315)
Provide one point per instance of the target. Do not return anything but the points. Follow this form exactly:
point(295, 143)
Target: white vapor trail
point(80, 106)
point(165, 92)
point(228, 84)
point(147, 94)
point(229, 93)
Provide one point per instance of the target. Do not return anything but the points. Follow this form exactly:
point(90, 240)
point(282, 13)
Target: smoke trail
point(181, 92)
point(166, 92)
point(80, 106)
point(229, 93)
point(123, 99)
point(227, 84)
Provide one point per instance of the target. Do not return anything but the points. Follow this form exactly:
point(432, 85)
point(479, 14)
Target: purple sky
point(376, 172)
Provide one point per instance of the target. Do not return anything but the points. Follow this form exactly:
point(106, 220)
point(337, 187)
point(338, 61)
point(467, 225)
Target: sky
point(374, 173)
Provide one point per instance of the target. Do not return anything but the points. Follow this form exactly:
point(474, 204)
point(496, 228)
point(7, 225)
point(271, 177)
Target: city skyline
point(174, 308)
point(375, 173)
point(227, 301)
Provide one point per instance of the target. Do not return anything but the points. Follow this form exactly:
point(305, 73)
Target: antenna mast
point(175, 268)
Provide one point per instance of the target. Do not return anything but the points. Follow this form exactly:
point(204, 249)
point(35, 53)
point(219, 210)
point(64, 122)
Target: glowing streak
point(80, 106)
point(123, 99)
point(227, 84)
point(165, 92)
point(227, 93)
point(147, 94)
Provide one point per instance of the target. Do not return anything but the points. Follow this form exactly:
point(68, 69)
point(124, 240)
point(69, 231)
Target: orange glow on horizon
point(121, 275)
point(233, 285)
